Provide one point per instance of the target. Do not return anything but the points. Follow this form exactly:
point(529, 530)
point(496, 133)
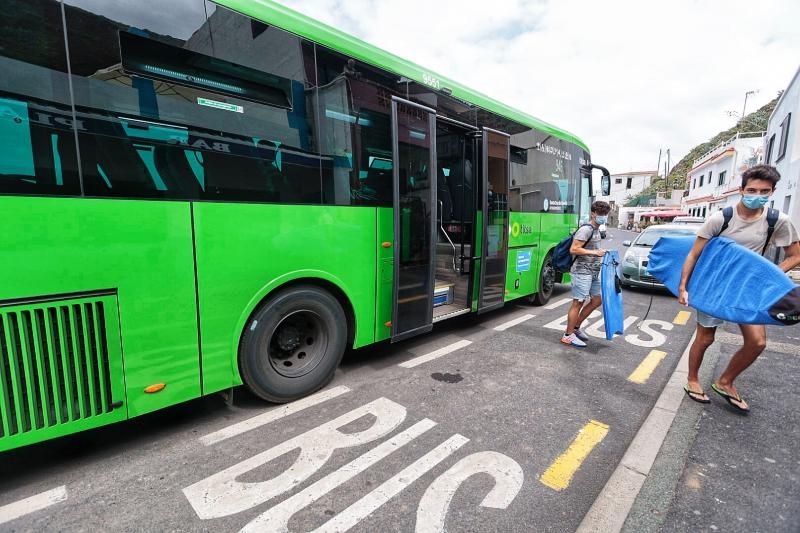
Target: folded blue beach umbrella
point(729, 281)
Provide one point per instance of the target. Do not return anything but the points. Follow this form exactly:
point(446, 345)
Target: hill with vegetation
point(752, 122)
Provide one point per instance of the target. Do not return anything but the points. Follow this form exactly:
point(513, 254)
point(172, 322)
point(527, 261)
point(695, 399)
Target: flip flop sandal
point(691, 394)
point(730, 398)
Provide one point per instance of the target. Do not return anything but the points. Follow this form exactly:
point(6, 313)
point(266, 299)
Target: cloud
point(627, 77)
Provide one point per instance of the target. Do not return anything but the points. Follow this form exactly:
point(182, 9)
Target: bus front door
point(414, 176)
point(495, 170)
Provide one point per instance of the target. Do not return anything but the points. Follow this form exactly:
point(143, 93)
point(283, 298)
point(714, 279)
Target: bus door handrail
point(446, 236)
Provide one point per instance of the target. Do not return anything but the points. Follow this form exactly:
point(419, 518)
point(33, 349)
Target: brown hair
point(761, 172)
point(601, 208)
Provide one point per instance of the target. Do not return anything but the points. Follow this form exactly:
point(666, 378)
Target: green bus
point(197, 195)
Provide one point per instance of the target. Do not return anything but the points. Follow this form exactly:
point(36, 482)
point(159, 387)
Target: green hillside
point(755, 121)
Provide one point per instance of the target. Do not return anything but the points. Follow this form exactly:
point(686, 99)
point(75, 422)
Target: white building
point(782, 149)
point(624, 186)
point(715, 177)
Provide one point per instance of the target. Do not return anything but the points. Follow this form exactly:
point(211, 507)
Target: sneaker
point(573, 340)
point(581, 334)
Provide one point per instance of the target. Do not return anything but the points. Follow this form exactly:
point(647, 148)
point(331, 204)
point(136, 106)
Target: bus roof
point(275, 14)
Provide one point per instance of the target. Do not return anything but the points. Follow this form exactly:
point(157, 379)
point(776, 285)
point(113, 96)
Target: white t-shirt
point(751, 234)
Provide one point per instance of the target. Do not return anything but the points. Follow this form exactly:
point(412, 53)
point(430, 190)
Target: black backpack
point(562, 259)
point(772, 220)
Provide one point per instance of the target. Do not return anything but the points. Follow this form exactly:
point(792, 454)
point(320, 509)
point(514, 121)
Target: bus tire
point(293, 344)
point(547, 281)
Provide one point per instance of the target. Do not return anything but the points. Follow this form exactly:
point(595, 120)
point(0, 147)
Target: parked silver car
point(634, 264)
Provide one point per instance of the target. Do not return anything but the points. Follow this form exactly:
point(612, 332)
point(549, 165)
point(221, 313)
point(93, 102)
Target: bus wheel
point(293, 344)
point(547, 280)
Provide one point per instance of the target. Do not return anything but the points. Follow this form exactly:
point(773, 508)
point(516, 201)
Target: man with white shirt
point(754, 227)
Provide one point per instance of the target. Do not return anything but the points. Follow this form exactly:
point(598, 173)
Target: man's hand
point(600, 252)
point(683, 297)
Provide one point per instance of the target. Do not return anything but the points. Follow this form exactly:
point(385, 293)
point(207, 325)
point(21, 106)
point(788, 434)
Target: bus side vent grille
point(54, 366)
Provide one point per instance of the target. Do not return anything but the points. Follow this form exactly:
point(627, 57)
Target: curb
point(612, 506)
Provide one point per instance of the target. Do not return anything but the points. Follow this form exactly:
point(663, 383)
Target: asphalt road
point(499, 428)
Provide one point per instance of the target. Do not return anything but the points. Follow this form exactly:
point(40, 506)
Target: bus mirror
point(605, 185)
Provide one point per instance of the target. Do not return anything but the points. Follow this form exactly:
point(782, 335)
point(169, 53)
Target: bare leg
point(573, 315)
point(593, 304)
point(702, 340)
point(755, 340)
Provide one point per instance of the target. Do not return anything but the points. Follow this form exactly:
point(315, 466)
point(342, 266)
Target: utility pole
point(744, 107)
point(658, 165)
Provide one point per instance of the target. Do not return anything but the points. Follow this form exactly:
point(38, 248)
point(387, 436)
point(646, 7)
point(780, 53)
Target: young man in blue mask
point(585, 274)
point(748, 227)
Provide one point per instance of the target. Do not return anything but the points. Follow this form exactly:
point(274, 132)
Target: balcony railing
point(721, 147)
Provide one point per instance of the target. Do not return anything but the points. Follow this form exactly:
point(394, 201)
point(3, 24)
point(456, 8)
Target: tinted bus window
point(139, 136)
point(545, 181)
point(355, 106)
point(273, 150)
point(37, 139)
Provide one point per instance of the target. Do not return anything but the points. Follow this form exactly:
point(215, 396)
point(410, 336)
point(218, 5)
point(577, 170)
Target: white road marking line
point(560, 324)
point(35, 503)
point(435, 354)
point(511, 323)
point(598, 329)
point(272, 415)
point(394, 486)
point(558, 303)
point(277, 518)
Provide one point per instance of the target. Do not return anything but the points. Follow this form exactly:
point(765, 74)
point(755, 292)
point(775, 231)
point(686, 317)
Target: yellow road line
point(559, 474)
point(646, 367)
point(682, 318)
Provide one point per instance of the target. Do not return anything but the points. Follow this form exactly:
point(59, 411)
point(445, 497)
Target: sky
point(627, 77)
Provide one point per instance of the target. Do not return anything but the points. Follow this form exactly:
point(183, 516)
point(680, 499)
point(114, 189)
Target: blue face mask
point(601, 219)
point(754, 201)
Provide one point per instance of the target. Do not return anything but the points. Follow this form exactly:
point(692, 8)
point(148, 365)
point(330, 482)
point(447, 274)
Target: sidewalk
point(721, 471)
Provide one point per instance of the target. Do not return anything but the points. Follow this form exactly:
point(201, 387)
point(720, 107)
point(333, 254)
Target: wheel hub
point(288, 338)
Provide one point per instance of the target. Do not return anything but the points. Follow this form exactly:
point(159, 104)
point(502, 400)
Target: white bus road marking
point(435, 354)
point(508, 479)
point(277, 518)
point(512, 323)
point(30, 505)
point(272, 415)
point(221, 494)
point(560, 324)
point(656, 338)
point(558, 303)
point(598, 328)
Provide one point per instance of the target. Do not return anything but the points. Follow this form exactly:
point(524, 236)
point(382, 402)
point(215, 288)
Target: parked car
point(634, 264)
point(602, 231)
point(688, 220)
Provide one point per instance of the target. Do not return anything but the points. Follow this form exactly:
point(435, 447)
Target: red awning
point(665, 214)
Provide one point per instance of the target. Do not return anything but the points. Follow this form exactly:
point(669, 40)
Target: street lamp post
point(744, 107)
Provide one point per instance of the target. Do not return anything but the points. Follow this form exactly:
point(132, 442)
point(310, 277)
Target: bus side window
point(37, 138)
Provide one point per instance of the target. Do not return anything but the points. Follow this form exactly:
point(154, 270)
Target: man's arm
point(792, 257)
point(578, 249)
point(688, 268)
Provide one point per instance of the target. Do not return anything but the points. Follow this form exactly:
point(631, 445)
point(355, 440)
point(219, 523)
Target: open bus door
point(495, 170)
point(414, 177)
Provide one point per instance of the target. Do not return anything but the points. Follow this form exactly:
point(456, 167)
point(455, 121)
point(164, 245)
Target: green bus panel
point(140, 249)
point(244, 252)
point(538, 233)
point(383, 296)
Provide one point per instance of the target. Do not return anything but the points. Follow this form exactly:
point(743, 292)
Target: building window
point(702, 176)
point(710, 173)
point(784, 137)
point(770, 144)
point(629, 184)
point(618, 181)
point(722, 178)
point(694, 183)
